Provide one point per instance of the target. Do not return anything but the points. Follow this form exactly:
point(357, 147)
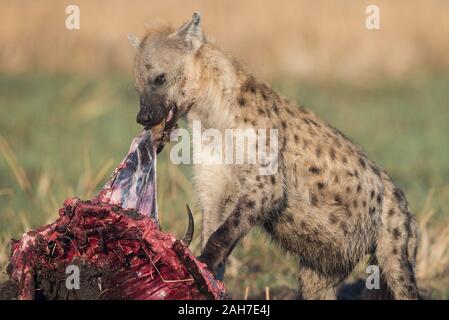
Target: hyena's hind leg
point(317, 286)
point(396, 254)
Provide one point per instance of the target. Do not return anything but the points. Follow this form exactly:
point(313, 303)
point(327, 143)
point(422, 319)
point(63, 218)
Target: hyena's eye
point(159, 80)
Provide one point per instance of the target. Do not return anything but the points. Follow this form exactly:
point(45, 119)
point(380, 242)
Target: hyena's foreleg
point(216, 199)
point(211, 221)
point(239, 222)
point(217, 203)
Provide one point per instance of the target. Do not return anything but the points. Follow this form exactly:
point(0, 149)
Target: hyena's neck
point(219, 83)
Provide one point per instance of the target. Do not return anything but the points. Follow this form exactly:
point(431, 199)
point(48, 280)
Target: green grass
point(65, 134)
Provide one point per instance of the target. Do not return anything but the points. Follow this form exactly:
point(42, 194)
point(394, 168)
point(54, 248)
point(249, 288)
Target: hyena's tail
point(396, 255)
point(412, 247)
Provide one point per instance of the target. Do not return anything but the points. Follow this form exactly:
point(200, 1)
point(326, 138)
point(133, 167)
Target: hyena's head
point(165, 76)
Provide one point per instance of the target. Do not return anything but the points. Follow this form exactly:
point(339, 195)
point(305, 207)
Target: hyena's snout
point(159, 115)
point(153, 109)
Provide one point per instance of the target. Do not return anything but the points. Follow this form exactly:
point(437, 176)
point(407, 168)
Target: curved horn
point(187, 239)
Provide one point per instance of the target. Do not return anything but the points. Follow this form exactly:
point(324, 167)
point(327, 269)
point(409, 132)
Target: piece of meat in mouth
point(161, 132)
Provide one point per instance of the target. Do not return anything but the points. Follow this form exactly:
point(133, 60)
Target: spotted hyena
point(327, 203)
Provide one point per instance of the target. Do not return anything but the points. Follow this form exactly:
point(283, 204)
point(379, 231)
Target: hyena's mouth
point(162, 131)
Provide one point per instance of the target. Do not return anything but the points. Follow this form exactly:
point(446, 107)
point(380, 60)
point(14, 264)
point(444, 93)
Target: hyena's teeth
point(170, 116)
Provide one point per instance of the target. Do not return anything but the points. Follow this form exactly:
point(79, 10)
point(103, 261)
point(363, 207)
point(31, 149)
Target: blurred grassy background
point(322, 38)
point(68, 106)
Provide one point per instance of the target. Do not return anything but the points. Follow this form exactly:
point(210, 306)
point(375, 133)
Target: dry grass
point(433, 254)
point(321, 38)
point(18, 171)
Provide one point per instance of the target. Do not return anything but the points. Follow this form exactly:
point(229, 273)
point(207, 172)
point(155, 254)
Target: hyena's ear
point(191, 33)
point(134, 40)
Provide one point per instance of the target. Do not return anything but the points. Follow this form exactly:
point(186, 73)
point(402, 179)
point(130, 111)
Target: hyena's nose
point(143, 118)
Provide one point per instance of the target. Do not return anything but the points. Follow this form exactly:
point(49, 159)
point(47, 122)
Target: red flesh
point(142, 262)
